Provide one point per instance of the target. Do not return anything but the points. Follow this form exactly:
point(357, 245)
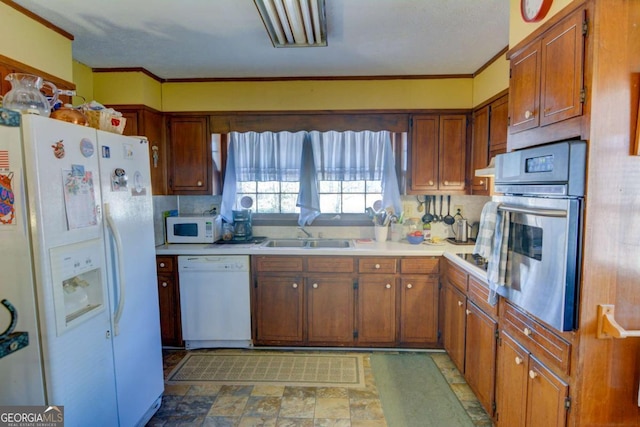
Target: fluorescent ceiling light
point(294, 23)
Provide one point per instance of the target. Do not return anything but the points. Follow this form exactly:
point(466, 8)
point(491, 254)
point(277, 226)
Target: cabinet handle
point(409, 286)
point(527, 332)
point(164, 284)
point(430, 182)
point(532, 374)
point(315, 286)
point(460, 303)
point(518, 361)
point(199, 183)
point(377, 266)
point(294, 286)
point(162, 264)
point(467, 311)
point(388, 286)
point(528, 114)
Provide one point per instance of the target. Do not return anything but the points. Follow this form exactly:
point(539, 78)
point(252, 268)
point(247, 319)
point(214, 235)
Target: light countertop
point(373, 248)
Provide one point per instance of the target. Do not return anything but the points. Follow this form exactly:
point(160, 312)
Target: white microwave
point(194, 229)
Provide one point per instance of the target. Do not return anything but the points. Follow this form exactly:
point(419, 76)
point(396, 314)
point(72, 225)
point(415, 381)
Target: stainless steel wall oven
point(543, 193)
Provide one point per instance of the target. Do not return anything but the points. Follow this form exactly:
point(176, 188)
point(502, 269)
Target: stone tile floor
point(284, 406)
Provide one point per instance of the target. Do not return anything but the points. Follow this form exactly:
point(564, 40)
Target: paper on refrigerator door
point(79, 198)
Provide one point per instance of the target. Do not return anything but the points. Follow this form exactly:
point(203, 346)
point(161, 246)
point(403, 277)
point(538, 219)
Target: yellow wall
point(31, 43)
point(518, 29)
point(318, 95)
point(83, 78)
point(492, 80)
point(127, 88)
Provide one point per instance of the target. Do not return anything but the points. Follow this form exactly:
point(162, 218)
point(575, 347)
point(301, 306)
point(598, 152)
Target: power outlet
point(457, 209)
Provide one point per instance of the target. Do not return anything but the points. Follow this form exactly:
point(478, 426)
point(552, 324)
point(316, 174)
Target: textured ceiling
point(226, 38)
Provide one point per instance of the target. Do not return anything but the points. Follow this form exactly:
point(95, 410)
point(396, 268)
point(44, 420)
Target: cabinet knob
point(315, 286)
point(527, 332)
point(409, 286)
point(377, 266)
point(518, 360)
point(199, 183)
point(162, 264)
point(482, 182)
point(446, 182)
point(460, 303)
point(528, 114)
point(430, 182)
point(467, 311)
point(164, 284)
point(532, 374)
point(294, 286)
point(388, 286)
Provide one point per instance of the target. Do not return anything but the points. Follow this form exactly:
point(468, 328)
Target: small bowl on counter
point(415, 239)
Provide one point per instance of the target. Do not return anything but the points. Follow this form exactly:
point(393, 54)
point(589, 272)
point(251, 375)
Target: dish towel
point(308, 197)
point(498, 265)
point(486, 230)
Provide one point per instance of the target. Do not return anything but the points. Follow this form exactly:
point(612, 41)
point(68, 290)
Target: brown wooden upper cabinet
point(190, 163)
point(546, 76)
point(490, 125)
point(143, 121)
point(437, 154)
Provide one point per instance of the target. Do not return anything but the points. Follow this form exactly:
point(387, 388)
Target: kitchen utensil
point(25, 95)
point(435, 215)
point(421, 200)
point(427, 217)
point(461, 231)
point(440, 217)
point(449, 220)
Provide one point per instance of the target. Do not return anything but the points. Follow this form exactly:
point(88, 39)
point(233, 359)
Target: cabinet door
point(424, 154)
point(511, 383)
point(452, 152)
point(330, 309)
point(169, 300)
point(480, 150)
point(279, 309)
point(498, 126)
point(561, 75)
point(419, 309)
point(480, 355)
point(377, 309)
point(546, 394)
point(153, 130)
point(190, 156)
point(524, 89)
point(454, 324)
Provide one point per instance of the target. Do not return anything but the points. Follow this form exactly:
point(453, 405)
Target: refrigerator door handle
point(121, 282)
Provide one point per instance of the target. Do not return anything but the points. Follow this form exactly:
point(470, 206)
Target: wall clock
point(534, 10)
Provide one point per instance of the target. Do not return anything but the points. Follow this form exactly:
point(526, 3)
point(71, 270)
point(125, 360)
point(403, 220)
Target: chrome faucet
point(305, 232)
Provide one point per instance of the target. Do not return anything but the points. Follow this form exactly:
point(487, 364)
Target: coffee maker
point(242, 225)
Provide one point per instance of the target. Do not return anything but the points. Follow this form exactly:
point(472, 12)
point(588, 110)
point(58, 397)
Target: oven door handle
point(532, 211)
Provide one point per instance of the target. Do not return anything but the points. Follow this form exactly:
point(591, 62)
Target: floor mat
point(313, 370)
point(413, 392)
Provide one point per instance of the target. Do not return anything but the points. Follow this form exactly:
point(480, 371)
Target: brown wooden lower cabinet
point(345, 301)
point(454, 304)
point(169, 301)
point(377, 310)
point(528, 393)
point(279, 310)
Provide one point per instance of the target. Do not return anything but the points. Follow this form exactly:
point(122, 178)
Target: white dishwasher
point(214, 301)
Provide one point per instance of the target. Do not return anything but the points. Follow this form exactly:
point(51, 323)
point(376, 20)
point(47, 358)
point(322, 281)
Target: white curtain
point(309, 157)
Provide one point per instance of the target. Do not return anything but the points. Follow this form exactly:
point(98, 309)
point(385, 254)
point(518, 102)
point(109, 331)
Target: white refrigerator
point(78, 264)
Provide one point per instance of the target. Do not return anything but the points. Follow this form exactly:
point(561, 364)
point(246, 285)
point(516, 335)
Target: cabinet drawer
point(377, 265)
point(278, 263)
point(539, 340)
point(419, 265)
point(330, 264)
point(164, 264)
point(457, 276)
point(478, 292)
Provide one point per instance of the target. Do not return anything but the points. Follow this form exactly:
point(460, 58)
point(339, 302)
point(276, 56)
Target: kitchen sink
point(308, 243)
